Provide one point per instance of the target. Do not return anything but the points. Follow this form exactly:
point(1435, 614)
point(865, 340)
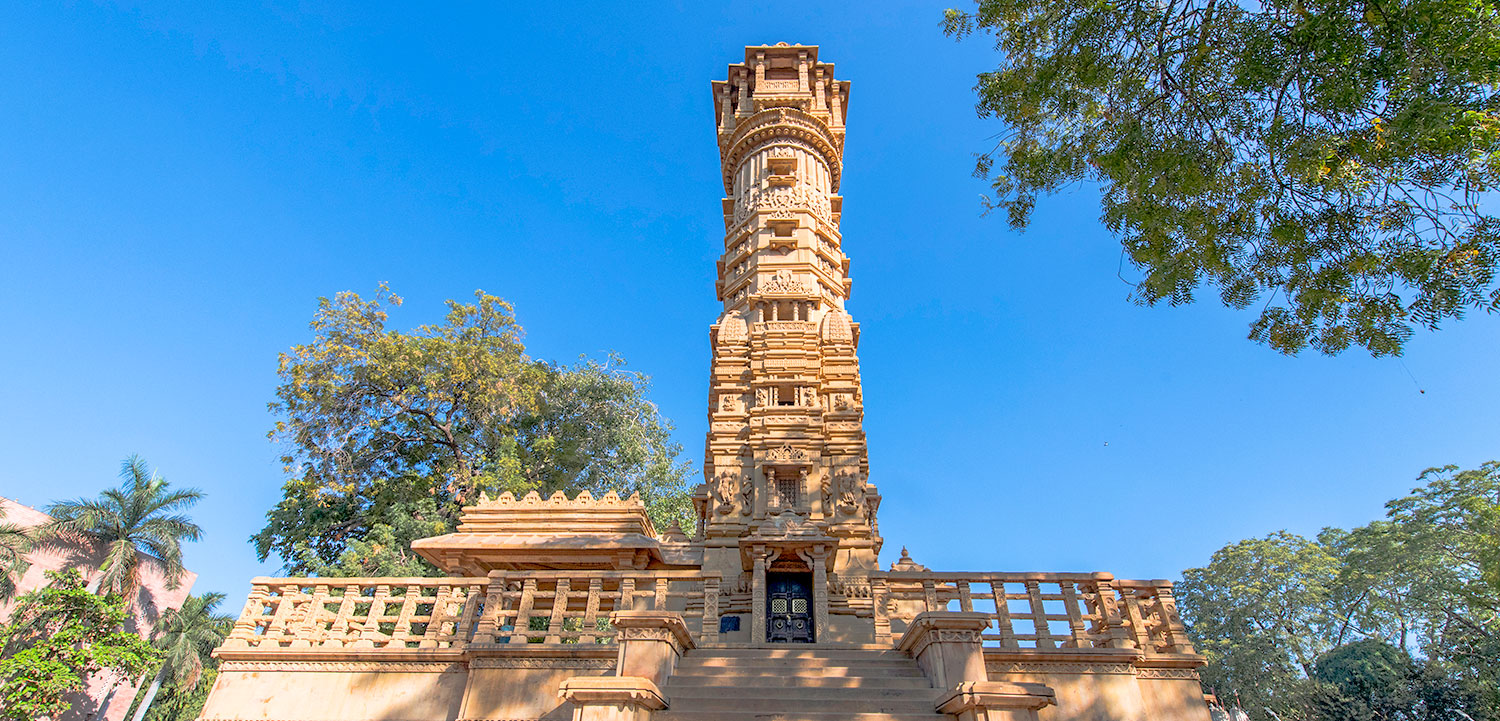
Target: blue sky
point(180, 181)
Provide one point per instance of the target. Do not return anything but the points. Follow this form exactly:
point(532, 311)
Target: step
point(914, 683)
point(804, 695)
point(793, 716)
point(801, 652)
point(761, 705)
point(740, 672)
point(756, 661)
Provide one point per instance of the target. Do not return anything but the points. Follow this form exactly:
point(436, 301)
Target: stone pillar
point(650, 643)
point(995, 701)
point(820, 594)
point(947, 645)
point(612, 698)
point(758, 597)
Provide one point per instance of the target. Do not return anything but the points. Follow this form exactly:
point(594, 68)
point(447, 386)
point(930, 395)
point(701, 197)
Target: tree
point(186, 638)
point(389, 433)
point(1450, 527)
point(15, 543)
point(58, 636)
point(1371, 680)
point(143, 516)
point(1307, 628)
point(1336, 158)
point(1258, 613)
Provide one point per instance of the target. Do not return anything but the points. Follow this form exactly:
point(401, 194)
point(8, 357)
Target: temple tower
point(786, 498)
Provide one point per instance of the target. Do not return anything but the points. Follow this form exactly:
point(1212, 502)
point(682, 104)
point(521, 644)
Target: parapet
point(530, 533)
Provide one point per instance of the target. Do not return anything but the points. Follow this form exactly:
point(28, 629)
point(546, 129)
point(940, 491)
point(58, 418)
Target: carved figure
point(747, 497)
point(724, 490)
point(851, 489)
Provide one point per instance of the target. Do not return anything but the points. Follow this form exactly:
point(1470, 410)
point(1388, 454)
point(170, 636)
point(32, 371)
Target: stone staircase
point(798, 684)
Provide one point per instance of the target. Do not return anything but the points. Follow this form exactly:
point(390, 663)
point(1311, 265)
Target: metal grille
point(790, 491)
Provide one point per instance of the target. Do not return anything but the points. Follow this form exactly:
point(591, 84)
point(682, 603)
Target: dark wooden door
point(789, 608)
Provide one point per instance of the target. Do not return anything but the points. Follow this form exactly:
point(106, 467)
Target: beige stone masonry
point(578, 608)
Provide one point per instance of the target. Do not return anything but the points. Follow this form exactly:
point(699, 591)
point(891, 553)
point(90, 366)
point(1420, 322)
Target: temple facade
point(775, 606)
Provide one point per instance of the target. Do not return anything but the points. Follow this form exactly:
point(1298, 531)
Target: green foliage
point(1370, 680)
point(1258, 613)
point(390, 433)
point(15, 543)
point(174, 704)
point(186, 638)
point(1316, 629)
point(1332, 157)
point(58, 636)
point(144, 515)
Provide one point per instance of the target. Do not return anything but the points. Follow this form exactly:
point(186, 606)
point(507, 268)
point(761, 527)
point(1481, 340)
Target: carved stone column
point(819, 563)
point(758, 596)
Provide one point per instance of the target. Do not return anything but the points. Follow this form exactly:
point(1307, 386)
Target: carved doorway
point(789, 616)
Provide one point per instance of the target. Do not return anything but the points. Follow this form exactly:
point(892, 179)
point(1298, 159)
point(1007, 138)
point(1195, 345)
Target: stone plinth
point(612, 698)
point(650, 643)
point(995, 701)
point(946, 644)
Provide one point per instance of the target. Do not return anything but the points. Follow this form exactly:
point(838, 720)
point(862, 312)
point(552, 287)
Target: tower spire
point(785, 452)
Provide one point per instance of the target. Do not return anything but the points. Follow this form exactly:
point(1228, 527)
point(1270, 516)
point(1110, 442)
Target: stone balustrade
point(520, 607)
point(1045, 611)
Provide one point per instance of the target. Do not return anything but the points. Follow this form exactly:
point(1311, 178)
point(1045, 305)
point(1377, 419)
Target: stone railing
point(1038, 610)
point(537, 607)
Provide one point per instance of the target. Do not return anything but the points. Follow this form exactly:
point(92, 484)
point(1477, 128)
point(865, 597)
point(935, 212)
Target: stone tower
point(579, 608)
point(785, 465)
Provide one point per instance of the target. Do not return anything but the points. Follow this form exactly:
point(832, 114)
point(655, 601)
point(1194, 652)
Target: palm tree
point(186, 637)
point(142, 516)
point(15, 543)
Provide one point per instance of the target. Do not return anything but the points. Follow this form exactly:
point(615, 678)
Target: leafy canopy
point(389, 433)
point(57, 637)
point(1332, 161)
point(1316, 628)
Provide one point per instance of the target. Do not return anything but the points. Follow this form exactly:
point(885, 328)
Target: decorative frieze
point(542, 662)
point(344, 666)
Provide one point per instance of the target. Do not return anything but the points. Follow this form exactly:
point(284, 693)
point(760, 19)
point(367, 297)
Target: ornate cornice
point(1121, 669)
point(344, 666)
point(1186, 674)
point(529, 662)
point(781, 122)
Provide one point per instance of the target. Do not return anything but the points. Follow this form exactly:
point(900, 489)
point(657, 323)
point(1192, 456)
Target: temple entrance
point(789, 608)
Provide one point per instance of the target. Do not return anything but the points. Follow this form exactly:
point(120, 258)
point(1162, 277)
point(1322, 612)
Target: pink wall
point(153, 599)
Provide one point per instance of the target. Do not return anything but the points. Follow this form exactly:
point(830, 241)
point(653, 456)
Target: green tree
point(1333, 161)
point(57, 637)
point(389, 433)
point(1450, 529)
point(1258, 613)
point(1371, 680)
point(174, 705)
point(15, 543)
point(1282, 618)
point(186, 638)
point(145, 515)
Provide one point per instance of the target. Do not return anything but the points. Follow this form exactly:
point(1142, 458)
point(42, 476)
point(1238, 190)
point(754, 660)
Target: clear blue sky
point(180, 182)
